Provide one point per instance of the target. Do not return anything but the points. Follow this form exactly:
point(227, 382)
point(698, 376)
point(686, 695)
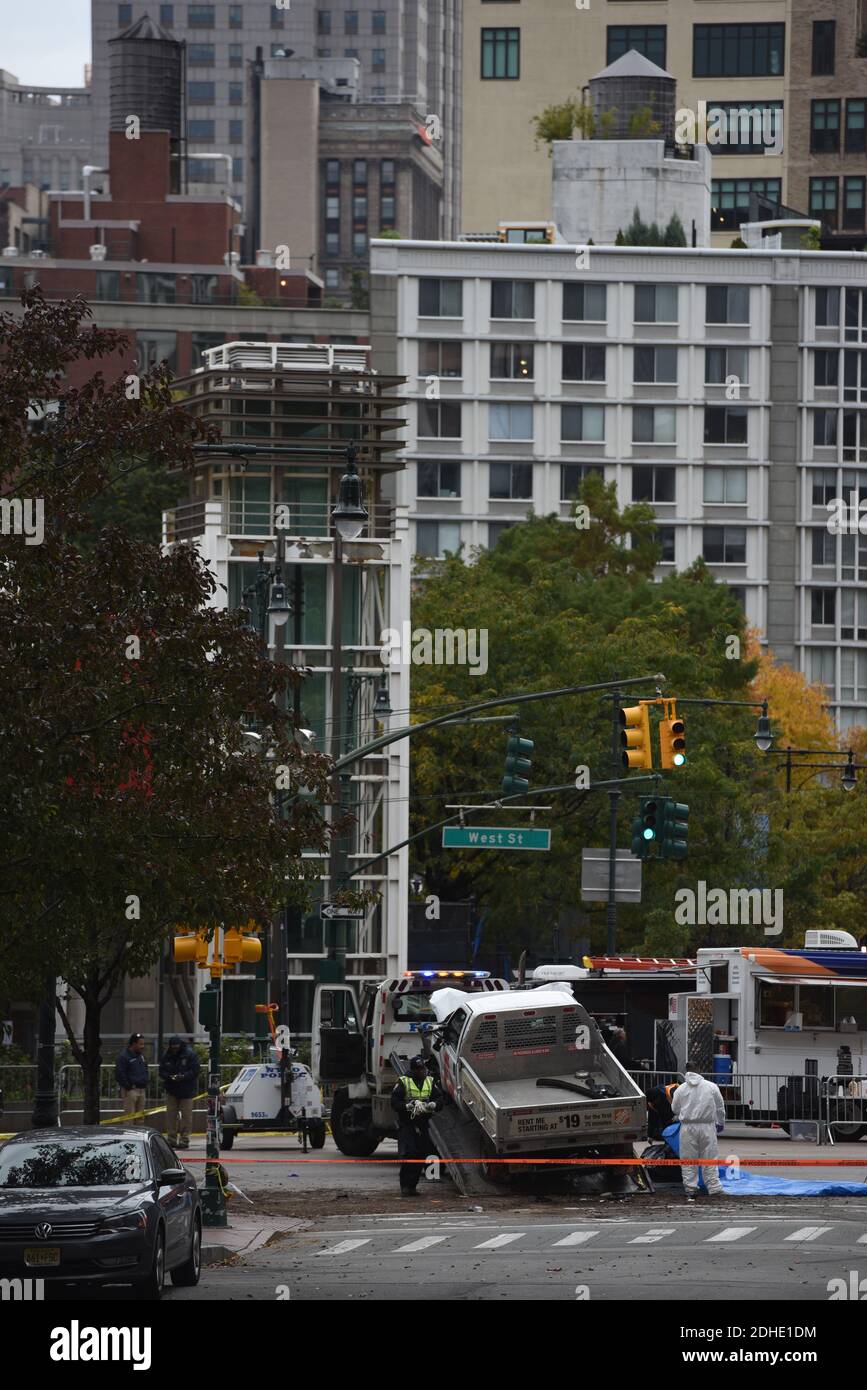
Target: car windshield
point(415, 1008)
point(86, 1163)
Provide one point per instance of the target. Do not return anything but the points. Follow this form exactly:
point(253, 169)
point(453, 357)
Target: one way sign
point(327, 911)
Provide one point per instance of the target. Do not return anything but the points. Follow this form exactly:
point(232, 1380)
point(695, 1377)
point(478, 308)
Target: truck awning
point(841, 983)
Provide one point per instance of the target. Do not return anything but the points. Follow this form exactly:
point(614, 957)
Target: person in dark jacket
point(414, 1098)
point(131, 1070)
point(179, 1071)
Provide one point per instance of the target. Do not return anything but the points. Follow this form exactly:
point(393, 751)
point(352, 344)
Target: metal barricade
point(843, 1101)
point(761, 1101)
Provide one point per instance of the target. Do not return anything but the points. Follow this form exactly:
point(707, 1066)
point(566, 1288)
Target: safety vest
point(414, 1092)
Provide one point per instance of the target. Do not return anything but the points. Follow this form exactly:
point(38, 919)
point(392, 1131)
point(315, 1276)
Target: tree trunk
point(92, 1057)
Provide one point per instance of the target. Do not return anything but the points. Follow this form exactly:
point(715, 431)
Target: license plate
point(41, 1256)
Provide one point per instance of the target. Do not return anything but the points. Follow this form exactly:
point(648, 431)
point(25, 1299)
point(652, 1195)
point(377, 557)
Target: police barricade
point(792, 1103)
point(71, 1095)
point(843, 1104)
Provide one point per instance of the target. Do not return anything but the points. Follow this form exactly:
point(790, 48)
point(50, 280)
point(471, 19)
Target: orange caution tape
point(590, 1162)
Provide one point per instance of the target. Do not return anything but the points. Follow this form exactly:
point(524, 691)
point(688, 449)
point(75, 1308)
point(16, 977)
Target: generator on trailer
point(279, 1093)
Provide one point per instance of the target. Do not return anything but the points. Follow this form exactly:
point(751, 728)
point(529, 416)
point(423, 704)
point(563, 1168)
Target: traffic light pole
point(613, 800)
point(213, 1200)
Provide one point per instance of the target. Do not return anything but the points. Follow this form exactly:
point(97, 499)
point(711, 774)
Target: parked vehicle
point(277, 1094)
point(84, 1205)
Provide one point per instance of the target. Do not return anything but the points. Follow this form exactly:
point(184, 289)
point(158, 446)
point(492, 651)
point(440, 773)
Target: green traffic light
point(679, 759)
point(649, 833)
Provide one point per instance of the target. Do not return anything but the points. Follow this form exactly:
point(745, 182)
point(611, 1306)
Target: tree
point(560, 120)
point(638, 233)
point(359, 297)
point(674, 232)
point(248, 298)
point(131, 801)
point(642, 124)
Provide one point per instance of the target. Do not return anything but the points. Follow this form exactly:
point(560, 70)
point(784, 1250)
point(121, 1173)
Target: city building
point(408, 52)
point(298, 409)
point(722, 386)
point(46, 134)
point(374, 168)
point(804, 66)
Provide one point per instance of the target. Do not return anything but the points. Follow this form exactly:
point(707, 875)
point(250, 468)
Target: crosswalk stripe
point(344, 1247)
point(652, 1236)
point(809, 1233)
point(497, 1241)
point(862, 1240)
point(576, 1238)
point(730, 1233)
point(423, 1244)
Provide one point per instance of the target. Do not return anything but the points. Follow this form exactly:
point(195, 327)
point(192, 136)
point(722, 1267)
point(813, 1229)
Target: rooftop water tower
point(147, 80)
point(624, 91)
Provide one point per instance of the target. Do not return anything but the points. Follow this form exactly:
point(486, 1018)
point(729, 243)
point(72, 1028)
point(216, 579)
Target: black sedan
point(91, 1205)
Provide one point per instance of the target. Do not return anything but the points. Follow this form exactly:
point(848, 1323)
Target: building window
point(727, 304)
point(823, 548)
point(510, 482)
point(438, 479)
point(167, 15)
point(439, 358)
point(440, 299)
point(855, 125)
point(108, 284)
point(824, 125)
point(511, 361)
point(203, 289)
point(725, 424)
point(378, 22)
point(854, 299)
point(236, 16)
point(501, 53)
point(664, 538)
point(822, 666)
point(823, 47)
point(731, 201)
point(496, 531)
point(201, 93)
point(437, 539)
point(853, 203)
point(236, 132)
point(656, 303)
point(725, 486)
point(744, 127)
point(510, 422)
point(653, 424)
point(154, 288)
point(200, 130)
point(200, 16)
point(823, 200)
point(648, 39)
point(332, 279)
point(584, 303)
point(201, 55)
point(236, 55)
point(237, 169)
point(323, 21)
point(823, 485)
point(124, 16)
point(439, 420)
point(828, 308)
point(738, 50)
point(583, 362)
point(513, 299)
point(236, 94)
point(154, 347)
point(853, 679)
point(332, 207)
point(724, 545)
point(653, 484)
point(854, 375)
point(823, 607)
point(201, 343)
point(387, 195)
point(378, 60)
point(201, 171)
point(350, 22)
point(721, 363)
point(853, 615)
point(278, 17)
point(826, 365)
point(350, 52)
point(825, 429)
point(582, 424)
point(654, 364)
point(359, 244)
point(572, 475)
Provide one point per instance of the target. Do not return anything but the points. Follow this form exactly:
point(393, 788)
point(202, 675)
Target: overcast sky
point(45, 42)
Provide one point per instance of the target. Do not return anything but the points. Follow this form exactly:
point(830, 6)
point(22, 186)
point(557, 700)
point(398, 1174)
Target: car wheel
point(153, 1284)
point(316, 1133)
point(187, 1275)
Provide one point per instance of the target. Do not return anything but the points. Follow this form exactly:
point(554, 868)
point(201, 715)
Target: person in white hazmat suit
point(699, 1107)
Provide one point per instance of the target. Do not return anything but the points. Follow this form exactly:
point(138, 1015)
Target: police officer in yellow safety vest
point(415, 1098)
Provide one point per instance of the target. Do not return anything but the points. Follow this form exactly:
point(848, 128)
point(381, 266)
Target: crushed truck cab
point(531, 1069)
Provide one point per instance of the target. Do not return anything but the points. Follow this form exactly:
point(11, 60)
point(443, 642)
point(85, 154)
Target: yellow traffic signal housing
point(672, 742)
point(241, 948)
point(191, 946)
point(635, 737)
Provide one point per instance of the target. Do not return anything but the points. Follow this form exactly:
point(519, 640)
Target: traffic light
point(635, 737)
point(649, 819)
point(672, 742)
point(674, 830)
point(191, 946)
point(640, 846)
point(240, 947)
point(516, 777)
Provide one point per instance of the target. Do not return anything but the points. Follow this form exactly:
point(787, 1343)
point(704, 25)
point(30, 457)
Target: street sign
point(494, 837)
point(327, 911)
point(594, 876)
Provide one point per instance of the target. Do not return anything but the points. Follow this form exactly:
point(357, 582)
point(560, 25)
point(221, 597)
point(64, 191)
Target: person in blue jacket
point(179, 1071)
point(131, 1070)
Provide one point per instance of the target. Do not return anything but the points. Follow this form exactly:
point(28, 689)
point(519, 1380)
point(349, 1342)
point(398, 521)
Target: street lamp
point(279, 607)
point(763, 736)
point(349, 512)
point(382, 704)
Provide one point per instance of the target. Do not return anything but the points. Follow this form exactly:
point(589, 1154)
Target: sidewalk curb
point(216, 1254)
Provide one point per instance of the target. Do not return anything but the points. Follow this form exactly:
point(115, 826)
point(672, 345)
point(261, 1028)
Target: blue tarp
point(745, 1184)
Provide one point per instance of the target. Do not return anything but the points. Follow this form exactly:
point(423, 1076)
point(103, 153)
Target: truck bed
point(521, 1117)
